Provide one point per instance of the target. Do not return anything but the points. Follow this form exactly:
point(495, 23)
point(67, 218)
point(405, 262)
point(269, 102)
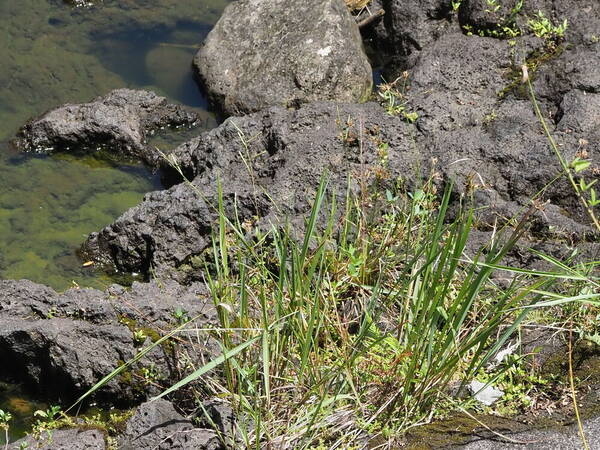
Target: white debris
point(484, 393)
point(324, 51)
point(502, 354)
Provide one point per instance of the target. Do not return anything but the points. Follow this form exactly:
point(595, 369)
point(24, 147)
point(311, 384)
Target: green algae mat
point(54, 53)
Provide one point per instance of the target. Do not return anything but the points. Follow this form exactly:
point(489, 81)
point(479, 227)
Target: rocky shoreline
point(293, 80)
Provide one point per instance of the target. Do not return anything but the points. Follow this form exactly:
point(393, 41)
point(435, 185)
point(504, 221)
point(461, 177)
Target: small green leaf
point(594, 338)
point(593, 200)
point(579, 165)
point(586, 186)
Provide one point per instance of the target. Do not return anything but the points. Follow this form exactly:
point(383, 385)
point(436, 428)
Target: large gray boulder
point(279, 52)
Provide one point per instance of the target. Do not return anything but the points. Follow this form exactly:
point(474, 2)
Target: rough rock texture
point(583, 16)
point(455, 89)
point(411, 26)
point(69, 439)
point(475, 124)
point(558, 439)
point(269, 162)
point(63, 344)
point(216, 414)
point(408, 27)
point(276, 52)
point(156, 425)
point(119, 121)
point(282, 153)
point(575, 68)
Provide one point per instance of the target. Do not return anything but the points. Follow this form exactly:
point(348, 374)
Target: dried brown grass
point(355, 5)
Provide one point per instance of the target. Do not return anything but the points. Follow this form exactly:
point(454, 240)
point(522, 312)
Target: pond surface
point(54, 53)
point(14, 400)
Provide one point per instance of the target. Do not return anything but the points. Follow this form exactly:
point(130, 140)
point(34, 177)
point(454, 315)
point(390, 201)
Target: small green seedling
point(48, 415)
point(5, 418)
point(543, 28)
point(181, 315)
point(139, 337)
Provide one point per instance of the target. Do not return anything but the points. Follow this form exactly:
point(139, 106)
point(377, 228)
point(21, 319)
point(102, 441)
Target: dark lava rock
point(62, 344)
point(575, 68)
point(119, 121)
point(456, 82)
point(479, 15)
point(216, 414)
point(562, 438)
point(411, 26)
point(408, 27)
point(275, 52)
point(268, 164)
point(498, 138)
point(68, 439)
point(156, 425)
point(476, 124)
point(474, 136)
point(582, 16)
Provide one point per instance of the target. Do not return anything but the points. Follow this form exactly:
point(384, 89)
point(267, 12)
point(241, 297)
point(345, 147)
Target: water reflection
point(53, 54)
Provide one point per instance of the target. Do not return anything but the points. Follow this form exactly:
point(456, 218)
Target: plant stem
point(561, 158)
point(573, 394)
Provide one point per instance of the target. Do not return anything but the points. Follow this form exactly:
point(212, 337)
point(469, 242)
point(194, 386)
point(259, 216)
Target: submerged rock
point(119, 121)
point(62, 344)
point(52, 54)
point(275, 52)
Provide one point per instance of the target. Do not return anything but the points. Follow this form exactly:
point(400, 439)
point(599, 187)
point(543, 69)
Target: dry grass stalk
point(356, 5)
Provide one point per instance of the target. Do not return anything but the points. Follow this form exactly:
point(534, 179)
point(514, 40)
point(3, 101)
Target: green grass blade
point(208, 367)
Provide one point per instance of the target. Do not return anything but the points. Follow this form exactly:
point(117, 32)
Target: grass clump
point(392, 98)
point(369, 324)
point(373, 320)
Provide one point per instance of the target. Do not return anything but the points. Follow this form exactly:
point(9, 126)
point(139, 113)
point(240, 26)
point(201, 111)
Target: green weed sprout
point(5, 418)
point(543, 28)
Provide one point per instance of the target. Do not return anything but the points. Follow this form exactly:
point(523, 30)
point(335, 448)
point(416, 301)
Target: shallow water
point(22, 408)
point(48, 205)
point(53, 53)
